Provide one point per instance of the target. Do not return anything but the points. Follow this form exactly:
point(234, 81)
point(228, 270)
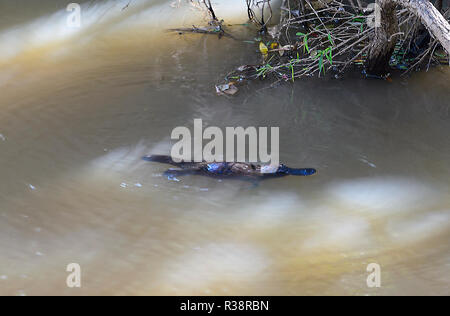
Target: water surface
point(80, 107)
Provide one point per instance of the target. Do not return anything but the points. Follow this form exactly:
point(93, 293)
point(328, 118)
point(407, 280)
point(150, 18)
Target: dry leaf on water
point(227, 89)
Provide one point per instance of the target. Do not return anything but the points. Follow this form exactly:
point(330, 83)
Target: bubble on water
point(32, 187)
point(123, 185)
point(138, 185)
point(368, 162)
point(2, 138)
point(173, 178)
point(3, 277)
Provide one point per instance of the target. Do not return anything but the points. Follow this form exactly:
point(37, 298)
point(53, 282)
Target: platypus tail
point(301, 172)
point(160, 159)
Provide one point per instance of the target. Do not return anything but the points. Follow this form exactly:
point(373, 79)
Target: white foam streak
point(100, 18)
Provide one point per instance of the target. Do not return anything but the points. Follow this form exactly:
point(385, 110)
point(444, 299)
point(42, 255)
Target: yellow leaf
point(263, 49)
point(273, 45)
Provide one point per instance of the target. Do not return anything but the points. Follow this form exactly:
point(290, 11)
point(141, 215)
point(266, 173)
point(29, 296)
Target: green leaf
point(320, 64)
point(330, 39)
point(305, 40)
point(329, 55)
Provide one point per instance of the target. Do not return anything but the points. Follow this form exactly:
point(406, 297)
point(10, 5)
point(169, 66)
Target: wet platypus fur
point(240, 170)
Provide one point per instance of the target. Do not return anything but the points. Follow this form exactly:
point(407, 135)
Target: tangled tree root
point(316, 41)
point(328, 37)
point(335, 37)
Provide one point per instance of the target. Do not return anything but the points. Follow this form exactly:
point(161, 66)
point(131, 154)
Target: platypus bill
point(228, 169)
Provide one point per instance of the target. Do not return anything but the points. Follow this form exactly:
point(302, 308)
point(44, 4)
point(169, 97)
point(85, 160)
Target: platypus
point(228, 169)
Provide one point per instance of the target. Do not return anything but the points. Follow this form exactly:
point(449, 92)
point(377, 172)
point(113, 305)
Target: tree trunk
point(384, 41)
point(383, 44)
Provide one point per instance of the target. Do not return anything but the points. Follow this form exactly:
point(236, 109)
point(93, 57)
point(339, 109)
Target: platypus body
point(228, 169)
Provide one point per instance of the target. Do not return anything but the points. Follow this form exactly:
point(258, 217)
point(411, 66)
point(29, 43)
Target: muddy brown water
point(79, 108)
